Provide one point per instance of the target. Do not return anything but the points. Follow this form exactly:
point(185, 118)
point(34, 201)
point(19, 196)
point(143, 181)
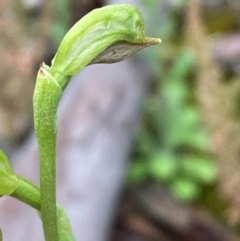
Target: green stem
point(30, 194)
point(47, 95)
point(48, 185)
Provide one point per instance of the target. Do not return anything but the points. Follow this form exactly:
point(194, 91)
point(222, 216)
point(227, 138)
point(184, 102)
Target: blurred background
point(149, 149)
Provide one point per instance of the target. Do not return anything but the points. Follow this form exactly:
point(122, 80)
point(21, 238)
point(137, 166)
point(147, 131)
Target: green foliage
point(199, 169)
point(163, 167)
point(61, 22)
point(185, 189)
point(172, 144)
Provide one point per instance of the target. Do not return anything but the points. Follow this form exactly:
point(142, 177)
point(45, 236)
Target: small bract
point(8, 181)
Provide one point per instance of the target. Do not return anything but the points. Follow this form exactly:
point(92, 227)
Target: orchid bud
point(105, 35)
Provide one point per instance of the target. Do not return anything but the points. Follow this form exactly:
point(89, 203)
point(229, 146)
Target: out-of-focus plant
point(61, 22)
point(172, 145)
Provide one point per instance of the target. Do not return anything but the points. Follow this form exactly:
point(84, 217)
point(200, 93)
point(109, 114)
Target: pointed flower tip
point(153, 41)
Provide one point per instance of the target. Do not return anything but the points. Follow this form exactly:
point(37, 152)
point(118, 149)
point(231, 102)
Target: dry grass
point(21, 49)
point(218, 102)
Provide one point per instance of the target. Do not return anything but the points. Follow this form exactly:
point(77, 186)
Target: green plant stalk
point(30, 194)
point(47, 95)
point(106, 35)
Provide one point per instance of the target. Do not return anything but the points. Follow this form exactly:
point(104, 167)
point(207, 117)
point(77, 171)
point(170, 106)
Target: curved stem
point(47, 95)
point(30, 194)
